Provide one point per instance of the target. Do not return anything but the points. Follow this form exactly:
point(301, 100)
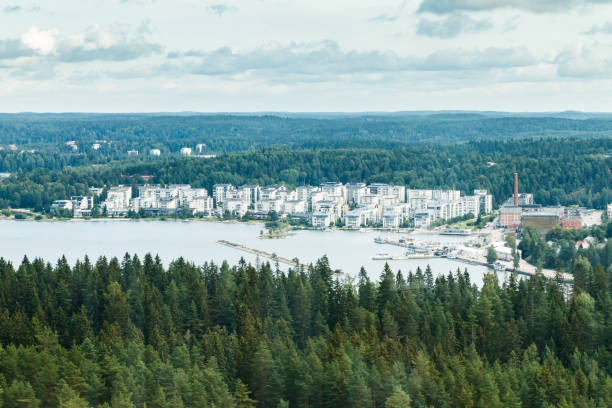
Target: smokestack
point(515, 189)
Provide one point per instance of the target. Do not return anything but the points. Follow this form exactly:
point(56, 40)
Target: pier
point(262, 254)
point(523, 269)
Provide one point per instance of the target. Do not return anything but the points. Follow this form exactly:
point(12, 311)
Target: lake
point(197, 242)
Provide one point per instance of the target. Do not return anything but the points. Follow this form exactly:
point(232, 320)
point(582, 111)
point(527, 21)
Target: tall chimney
point(515, 189)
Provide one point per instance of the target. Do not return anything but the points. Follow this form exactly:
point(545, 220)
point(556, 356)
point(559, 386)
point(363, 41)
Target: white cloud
point(106, 43)
point(42, 41)
point(538, 6)
point(452, 26)
point(325, 59)
point(600, 29)
point(12, 9)
point(583, 62)
point(219, 9)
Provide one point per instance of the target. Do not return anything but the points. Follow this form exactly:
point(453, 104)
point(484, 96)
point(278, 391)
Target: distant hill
point(222, 133)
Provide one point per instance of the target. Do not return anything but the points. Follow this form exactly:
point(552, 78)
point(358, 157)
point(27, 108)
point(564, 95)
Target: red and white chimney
point(515, 189)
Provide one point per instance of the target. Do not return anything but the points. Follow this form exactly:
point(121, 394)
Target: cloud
point(383, 18)
point(219, 9)
point(42, 41)
point(452, 26)
point(12, 9)
point(537, 6)
point(105, 43)
point(389, 18)
point(583, 63)
point(600, 29)
point(325, 59)
point(14, 48)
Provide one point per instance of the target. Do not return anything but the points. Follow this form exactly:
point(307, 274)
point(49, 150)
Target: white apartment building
point(118, 200)
point(155, 152)
point(334, 189)
point(329, 206)
point(446, 195)
point(202, 205)
point(268, 205)
point(396, 193)
point(273, 192)
point(249, 193)
point(237, 206)
point(321, 219)
point(81, 205)
point(361, 216)
point(355, 192)
point(186, 151)
point(486, 201)
point(394, 216)
point(469, 204)
point(61, 205)
point(423, 218)
point(221, 191)
point(295, 207)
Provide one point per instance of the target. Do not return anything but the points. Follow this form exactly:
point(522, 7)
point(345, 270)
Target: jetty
point(523, 269)
point(262, 254)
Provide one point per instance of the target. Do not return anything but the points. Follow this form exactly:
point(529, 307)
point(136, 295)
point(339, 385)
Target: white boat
point(382, 257)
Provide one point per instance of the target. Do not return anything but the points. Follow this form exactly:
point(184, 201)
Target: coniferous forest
point(132, 333)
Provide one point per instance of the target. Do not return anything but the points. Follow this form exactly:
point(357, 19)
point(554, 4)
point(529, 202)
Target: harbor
point(470, 251)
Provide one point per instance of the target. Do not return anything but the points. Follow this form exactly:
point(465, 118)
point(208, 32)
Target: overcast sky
point(311, 55)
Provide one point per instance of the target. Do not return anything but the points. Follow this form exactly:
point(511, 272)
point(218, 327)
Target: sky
point(305, 56)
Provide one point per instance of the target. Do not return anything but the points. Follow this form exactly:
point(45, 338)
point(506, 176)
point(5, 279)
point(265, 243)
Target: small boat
point(382, 257)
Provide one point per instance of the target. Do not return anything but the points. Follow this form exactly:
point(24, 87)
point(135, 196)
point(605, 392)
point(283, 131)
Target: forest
point(232, 133)
point(134, 333)
point(557, 172)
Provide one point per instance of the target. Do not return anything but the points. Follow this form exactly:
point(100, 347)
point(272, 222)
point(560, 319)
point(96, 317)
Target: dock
point(523, 269)
point(262, 254)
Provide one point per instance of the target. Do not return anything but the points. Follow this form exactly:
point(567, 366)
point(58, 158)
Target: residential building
point(132, 153)
point(361, 216)
point(186, 151)
point(97, 191)
point(155, 152)
point(269, 205)
point(486, 201)
point(321, 219)
point(118, 200)
point(236, 206)
point(423, 218)
point(202, 205)
point(221, 191)
point(82, 205)
point(62, 205)
point(295, 207)
point(355, 192)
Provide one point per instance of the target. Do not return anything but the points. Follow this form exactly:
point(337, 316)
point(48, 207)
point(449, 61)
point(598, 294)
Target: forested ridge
point(232, 133)
point(131, 333)
point(556, 171)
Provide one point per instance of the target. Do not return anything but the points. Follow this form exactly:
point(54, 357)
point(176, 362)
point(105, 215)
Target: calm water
point(197, 242)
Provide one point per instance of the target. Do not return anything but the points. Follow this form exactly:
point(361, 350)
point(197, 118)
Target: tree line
point(232, 133)
point(133, 333)
point(555, 171)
